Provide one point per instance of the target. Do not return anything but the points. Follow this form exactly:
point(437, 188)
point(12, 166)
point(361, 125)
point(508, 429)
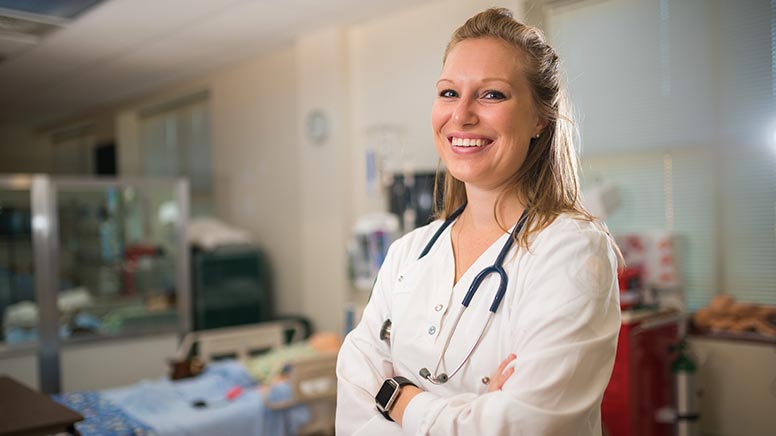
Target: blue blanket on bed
point(101, 416)
point(168, 408)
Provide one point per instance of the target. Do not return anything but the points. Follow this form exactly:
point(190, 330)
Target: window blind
point(671, 191)
point(641, 72)
point(678, 110)
point(175, 141)
point(749, 217)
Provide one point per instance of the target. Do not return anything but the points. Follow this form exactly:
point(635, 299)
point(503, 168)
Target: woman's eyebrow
point(485, 80)
point(497, 79)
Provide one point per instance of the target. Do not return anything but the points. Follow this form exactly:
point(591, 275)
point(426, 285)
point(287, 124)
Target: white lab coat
point(560, 316)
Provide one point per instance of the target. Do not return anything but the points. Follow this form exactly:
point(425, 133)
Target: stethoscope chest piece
point(385, 331)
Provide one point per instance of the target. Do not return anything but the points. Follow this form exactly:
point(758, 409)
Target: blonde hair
point(547, 182)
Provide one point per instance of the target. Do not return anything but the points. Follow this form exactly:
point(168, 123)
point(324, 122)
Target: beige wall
point(256, 163)
point(324, 195)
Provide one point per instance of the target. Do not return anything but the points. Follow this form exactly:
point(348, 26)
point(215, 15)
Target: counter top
point(651, 315)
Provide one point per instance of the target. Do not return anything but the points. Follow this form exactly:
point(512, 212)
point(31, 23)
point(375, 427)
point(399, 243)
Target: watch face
point(387, 394)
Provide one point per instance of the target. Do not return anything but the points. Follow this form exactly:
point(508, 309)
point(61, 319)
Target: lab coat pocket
point(405, 295)
point(400, 299)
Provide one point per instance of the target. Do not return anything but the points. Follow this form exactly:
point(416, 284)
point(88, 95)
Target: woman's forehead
point(483, 58)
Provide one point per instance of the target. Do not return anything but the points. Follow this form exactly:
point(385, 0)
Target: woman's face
point(483, 117)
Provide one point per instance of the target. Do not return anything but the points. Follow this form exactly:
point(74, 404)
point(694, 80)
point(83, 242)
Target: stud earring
point(537, 135)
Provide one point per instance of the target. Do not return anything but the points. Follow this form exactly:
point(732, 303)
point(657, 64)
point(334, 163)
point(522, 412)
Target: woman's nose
point(464, 113)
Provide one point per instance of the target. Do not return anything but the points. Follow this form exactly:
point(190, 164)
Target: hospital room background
point(180, 168)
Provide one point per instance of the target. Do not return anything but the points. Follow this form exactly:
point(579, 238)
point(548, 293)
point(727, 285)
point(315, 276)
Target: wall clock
point(317, 127)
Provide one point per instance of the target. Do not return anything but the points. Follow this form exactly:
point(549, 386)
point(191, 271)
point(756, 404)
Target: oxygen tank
point(687, 393)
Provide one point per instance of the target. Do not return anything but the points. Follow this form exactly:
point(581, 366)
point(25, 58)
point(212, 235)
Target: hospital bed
point(303, 403)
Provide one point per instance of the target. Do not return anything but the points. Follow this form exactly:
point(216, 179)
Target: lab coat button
point(401, 278)
point(438, 307)
point(431, 330)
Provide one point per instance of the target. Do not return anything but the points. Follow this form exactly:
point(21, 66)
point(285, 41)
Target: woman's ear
point(540, 125)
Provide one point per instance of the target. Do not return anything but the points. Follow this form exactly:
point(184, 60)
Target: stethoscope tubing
point(497, 268)
point(442, 378)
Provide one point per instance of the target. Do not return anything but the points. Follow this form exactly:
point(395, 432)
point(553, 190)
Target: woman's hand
point(406, 394)
point(501, 375)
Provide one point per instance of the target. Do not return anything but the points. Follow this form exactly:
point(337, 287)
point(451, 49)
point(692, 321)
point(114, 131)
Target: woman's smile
point(467, 143)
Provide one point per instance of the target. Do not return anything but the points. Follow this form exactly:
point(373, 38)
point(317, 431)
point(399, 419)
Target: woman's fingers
point(502, 374)
point(504, 363)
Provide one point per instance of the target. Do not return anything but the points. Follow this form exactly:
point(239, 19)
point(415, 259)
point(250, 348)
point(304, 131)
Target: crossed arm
point(407, 393)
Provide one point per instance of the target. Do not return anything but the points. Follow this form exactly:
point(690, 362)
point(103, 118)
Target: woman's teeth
point(466, 142)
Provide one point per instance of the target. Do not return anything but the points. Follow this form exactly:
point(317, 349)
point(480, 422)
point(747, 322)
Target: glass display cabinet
point(90, 259)
point(17, 287)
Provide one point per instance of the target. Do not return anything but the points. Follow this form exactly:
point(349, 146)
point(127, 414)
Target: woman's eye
point(448, 93)
point(493, 95)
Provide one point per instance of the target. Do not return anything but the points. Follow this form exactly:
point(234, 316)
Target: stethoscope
point(497, 268)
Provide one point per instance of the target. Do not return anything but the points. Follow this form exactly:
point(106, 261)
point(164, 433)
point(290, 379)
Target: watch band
point(401, 381)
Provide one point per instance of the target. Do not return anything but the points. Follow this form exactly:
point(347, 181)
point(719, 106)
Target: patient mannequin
point(275, 365)
point(272, 366)
point(325, 342)
point(723, 314)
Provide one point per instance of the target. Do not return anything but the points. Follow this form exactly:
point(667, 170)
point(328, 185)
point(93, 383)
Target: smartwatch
point(388, 393)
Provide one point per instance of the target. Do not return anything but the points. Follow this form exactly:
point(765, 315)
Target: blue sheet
point(167, 407)
point(101, 416)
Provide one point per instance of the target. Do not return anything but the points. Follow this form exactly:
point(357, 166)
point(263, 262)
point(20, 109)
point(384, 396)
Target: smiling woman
point(531, 347)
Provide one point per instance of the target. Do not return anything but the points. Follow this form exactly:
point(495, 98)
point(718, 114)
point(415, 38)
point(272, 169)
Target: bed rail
point(312, 379)
point(240, 342)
